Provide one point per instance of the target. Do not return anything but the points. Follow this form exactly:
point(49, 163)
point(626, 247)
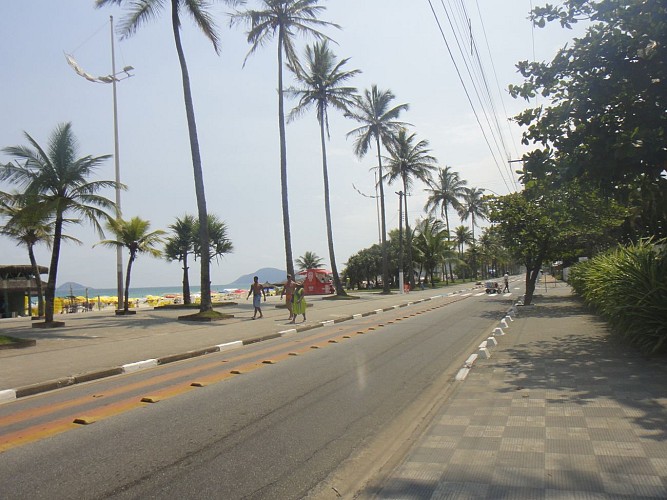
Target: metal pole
point(119, 250)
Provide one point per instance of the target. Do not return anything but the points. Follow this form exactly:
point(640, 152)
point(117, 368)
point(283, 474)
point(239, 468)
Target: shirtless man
point(257, 291)
point(288, 291)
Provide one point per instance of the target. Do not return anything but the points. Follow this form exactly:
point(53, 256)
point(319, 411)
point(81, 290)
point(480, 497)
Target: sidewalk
point(559, 411)
point(99, 344)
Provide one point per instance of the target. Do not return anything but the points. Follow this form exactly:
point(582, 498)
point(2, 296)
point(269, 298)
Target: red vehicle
point(317, 282)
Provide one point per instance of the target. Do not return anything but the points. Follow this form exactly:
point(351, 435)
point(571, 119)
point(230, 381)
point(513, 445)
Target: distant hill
point(75, 289)
point(270, 274)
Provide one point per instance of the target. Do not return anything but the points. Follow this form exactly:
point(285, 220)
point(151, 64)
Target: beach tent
point(317, 282)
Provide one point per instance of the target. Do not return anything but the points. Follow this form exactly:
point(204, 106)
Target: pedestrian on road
point(299, 305)
point(257, 291)
point(288, 291)
point(506, 279)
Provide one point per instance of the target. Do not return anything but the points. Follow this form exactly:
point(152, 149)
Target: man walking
point(506, 279)
point(257, 291)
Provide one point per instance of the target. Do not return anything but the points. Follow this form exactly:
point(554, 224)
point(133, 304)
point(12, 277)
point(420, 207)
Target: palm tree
point(446, 191)
point(409, 161)
point(219, 243)
point(472, 206)
point(141, 11)
point(284, 19)
point(184, 242)
point(379, 126)
point(322, 86)
point(180, 245)
point(27, 226)
point(462, 236)
point(309, 260)
point(431, 242)
point(59, 181)
point(134, 235)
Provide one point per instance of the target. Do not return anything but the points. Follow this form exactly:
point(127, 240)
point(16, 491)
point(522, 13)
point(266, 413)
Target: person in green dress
point(299, 305)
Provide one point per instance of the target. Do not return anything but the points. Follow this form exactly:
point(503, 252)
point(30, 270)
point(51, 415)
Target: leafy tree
point(134, 235)
point(365, 265)
point(58, 180)
point(309, 260)
point(444, 192)
point(179, 246)
point(322, 84)
point(284, 19)
point(27, 226)
point(141, 11)
point(606, 121)
point(431, 240)
point(184, 241)
point(538, 224)
point(380, 125)
point(409, 161)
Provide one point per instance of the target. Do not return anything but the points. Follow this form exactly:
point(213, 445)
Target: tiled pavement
point(561, 410)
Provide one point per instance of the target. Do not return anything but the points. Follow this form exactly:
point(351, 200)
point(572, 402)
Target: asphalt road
point(300, 410)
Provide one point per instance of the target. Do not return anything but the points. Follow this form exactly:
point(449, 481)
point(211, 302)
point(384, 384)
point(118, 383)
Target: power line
point(458, 72)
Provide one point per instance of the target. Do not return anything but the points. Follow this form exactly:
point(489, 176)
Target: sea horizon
point(141, 292)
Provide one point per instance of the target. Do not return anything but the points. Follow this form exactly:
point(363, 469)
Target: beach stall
point(317, 282)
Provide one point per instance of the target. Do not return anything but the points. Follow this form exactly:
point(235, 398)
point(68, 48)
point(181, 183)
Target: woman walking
point(299, 305)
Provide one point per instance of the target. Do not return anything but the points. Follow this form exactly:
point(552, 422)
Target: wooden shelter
point(16, 283)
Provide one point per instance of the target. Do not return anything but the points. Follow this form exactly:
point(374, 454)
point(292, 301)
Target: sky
point(397, 44)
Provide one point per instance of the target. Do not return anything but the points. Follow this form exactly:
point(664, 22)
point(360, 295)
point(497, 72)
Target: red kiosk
point(317, 282)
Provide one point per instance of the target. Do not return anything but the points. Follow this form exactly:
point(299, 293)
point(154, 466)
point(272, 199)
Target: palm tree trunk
point(408, 235)
point(289, 261)
point(385, 256)
point(126, 305)
point(186, 280)
point(327, 208)
point(38, 282)
point(53, 268)
point(196, 165)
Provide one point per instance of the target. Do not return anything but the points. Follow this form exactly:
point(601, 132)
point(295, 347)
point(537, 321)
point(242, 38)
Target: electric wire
point(467, 93)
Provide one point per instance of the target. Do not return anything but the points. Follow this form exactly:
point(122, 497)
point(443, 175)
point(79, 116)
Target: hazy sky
point(396, 43)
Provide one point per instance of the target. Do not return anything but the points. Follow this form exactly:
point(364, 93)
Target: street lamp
point(112, 79)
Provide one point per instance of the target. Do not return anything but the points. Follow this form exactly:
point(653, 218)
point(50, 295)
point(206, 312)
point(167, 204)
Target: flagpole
point(119, 250)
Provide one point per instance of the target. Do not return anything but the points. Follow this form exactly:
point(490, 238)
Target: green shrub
point(628, 287)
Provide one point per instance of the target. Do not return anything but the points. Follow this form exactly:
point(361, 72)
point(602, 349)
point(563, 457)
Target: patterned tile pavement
point(561, 410)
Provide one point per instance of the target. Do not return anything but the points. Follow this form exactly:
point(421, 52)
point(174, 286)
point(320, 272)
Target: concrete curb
point(9, 395)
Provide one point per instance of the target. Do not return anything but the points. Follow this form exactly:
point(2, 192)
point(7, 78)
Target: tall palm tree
point(134, 235)
point(59, 180)
point(28, 227)
point(309, 260)
point(141, 11)
point(284, 19)
point(409, 162)
point(447, 190)
point(322, 86)
point(179, 246)
point(462, 236)
point(444, 192)
point(380, 125)
point(472, 206)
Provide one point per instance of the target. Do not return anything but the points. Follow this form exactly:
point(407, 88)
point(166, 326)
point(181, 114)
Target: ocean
point(141, 292)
